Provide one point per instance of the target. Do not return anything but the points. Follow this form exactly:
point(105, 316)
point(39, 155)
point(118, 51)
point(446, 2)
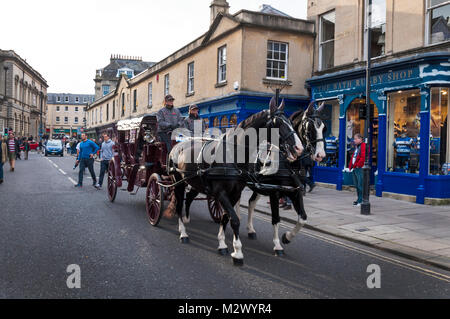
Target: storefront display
point(330, 116)
point(439, 143)
point(355, 125)
point(403, 131)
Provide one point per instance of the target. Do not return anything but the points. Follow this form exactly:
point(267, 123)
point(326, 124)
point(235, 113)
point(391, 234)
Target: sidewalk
point(407, 229)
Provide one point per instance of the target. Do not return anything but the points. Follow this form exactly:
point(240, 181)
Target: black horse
point(220, 168)
point(311, 130)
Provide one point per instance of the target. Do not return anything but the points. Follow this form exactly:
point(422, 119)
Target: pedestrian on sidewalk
point(13, 148)
point(106, 155)
point(86, 159)
point(3, 156)
point(356, 165)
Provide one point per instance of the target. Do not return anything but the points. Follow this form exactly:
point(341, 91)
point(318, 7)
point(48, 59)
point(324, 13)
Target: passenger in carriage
point(169, 118)
point(189, 122)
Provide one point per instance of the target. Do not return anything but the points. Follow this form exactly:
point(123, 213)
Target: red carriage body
point(140, 159)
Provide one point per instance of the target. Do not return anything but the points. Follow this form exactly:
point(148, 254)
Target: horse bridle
point(309, 148)
point(284, 147)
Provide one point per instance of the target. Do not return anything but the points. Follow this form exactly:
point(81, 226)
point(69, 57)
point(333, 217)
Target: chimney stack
point(218, 6)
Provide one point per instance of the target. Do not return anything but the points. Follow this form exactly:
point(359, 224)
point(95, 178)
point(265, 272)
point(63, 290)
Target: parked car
point(54, 147)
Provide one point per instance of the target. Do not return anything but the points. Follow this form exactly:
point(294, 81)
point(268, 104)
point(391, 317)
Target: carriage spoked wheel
point(215, 209)
point(154, 200)
point(112, 182)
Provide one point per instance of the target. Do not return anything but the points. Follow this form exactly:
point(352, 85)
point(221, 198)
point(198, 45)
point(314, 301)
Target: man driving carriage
point(169, 118)
point(190, 121)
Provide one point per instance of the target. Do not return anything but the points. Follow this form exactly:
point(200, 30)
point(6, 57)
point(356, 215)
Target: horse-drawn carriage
point(140, 159)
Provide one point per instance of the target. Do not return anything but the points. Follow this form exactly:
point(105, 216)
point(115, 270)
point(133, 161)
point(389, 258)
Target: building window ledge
point(276, 82)
point(221, 84)
point(190, 94)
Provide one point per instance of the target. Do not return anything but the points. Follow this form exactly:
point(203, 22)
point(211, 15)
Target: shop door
point(355, 124)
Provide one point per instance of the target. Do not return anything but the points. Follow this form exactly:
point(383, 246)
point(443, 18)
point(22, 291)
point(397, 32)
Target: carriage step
point(124, 189)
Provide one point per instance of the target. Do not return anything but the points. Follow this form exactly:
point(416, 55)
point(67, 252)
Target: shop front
point(227, 112)
point(408, 136)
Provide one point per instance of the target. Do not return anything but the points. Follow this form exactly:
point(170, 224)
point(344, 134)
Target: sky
point(66, 41)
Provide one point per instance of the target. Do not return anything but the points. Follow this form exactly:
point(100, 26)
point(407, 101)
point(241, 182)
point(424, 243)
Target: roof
point(265, 8)
point(138, 66)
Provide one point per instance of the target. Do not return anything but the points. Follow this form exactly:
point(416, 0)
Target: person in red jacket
point(356, 164)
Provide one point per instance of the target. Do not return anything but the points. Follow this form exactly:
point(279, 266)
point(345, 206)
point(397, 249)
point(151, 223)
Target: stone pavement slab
point(419, 232)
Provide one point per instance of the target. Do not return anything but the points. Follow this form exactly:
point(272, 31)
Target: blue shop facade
point(228, 111)
point(409, 135)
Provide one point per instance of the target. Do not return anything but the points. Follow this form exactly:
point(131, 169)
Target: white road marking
point(73, 182)
point(62, 172)
point(56, 166)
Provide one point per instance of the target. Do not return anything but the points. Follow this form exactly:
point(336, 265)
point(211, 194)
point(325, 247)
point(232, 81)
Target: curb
point(390, 250)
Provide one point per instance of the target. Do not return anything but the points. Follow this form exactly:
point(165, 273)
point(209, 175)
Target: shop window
point(216, 122)
point(439, 132)
point(403, 135)
point(233, 120)
point(326, 40)
point(224, 122)
point(330, 116)
point(356, 124)
point(438, 21)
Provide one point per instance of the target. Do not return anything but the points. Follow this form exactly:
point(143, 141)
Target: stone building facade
point(67, 113)
point(230, 71)
point(23, 96)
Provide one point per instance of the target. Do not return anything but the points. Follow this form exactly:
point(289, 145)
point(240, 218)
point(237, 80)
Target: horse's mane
point(296, 119)
point(252, 119)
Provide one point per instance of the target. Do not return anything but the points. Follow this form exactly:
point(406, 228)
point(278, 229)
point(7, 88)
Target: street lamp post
point(365, 205)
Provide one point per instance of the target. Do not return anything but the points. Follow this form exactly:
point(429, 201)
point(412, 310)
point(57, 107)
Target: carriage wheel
point(112, 182)
point(154, 200)
point(215, 210)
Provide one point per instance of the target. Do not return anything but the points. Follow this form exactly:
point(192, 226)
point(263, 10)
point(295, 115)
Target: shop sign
point(360, 83)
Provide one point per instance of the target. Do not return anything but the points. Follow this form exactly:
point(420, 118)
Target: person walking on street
point(106, 155)
point(3, 156)
point(356, 165)
point(18, 150)
point(40, 146)
point(13, 147)
point(26, 148)
point(86, 159)
point(169, 118)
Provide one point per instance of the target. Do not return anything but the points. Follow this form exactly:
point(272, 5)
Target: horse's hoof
point(279, 253)
point(252, 236)
point(284, 240)
point(184, 240)
point(238, 262)
point(223, 251)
